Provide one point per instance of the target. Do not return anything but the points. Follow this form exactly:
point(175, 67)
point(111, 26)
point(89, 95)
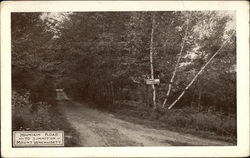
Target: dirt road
point(98, 129)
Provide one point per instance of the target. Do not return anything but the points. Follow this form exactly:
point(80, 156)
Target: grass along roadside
point(206, 124)
point(41, 116)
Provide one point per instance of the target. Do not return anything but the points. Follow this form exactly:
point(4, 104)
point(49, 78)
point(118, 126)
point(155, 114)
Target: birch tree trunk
point(195, 77)
point(176, 66)
point(151, 59)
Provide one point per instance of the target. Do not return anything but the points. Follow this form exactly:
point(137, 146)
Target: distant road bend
point(61, 95)
point(99, 129)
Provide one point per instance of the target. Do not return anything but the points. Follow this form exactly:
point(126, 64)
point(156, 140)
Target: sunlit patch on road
point(61, 95)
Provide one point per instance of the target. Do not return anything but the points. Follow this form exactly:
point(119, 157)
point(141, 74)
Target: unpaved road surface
point(99, 129)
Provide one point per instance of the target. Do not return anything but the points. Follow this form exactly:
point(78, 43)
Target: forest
point(111, 59)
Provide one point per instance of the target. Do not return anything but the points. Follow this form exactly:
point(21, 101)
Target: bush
point(211, 121)
point(186, 119)
point(28, 115)
point(40, 116)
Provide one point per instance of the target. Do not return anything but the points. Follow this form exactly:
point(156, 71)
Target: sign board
point(59, 90)
point(153, 81)
point(38, 138)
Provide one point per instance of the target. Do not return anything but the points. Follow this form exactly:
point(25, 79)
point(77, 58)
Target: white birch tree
point(176, 66)
point(151, 60)
point(201, 70)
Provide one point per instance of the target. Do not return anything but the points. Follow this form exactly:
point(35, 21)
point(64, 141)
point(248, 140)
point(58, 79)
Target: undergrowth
point(208, 124)
point(40, 116)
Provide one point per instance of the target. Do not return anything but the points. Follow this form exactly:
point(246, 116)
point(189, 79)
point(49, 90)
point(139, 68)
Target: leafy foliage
point(104, 57)
point(89, 52)
point(29, 116)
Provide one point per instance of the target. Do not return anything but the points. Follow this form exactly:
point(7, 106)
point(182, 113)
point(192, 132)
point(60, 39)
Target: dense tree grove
point(105, 57)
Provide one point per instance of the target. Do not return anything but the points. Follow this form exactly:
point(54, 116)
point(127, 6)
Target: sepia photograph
point(126, 78)
point(139, 78)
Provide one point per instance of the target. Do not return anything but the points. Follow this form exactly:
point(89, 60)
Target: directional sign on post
point(153, 81)
point(59, 90)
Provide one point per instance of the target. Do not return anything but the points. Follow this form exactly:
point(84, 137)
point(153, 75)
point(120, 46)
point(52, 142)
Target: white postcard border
point(242, 10)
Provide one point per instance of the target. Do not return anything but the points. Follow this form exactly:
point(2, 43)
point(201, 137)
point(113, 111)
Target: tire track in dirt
point(98, 129)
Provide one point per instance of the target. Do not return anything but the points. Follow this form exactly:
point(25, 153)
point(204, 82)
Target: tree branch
point(176, 66)
point(195, 77)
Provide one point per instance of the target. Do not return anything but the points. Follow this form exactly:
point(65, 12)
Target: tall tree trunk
point(147, 101)
point(176, 66)
point(199, 99)
point(151, 59)
point(109, 94)
point(195, 77)
point(112, 93)
point(193, 98)
point(119, 93)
